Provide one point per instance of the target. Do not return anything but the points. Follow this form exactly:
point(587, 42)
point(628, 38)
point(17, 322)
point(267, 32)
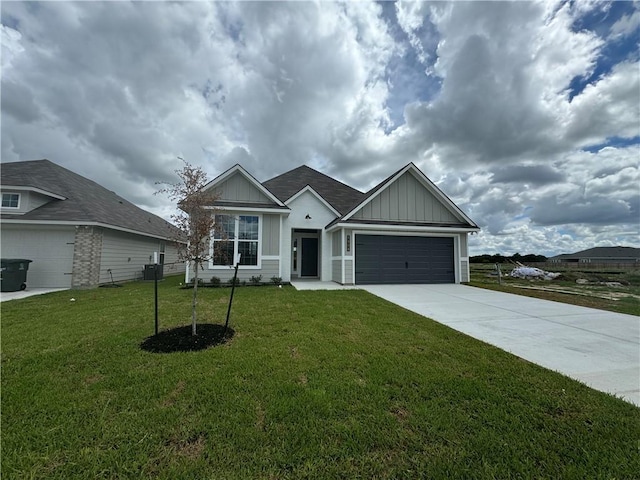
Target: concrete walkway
point(29, 292)
point(596, 347)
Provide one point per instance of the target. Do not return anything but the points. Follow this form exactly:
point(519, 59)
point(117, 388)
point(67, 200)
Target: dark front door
point(395, 259)
point(309, 267)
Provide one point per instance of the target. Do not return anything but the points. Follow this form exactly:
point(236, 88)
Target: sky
point(526, 114)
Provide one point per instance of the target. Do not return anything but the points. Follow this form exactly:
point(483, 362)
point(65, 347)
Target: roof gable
point(341, 197)
point(315, 194)
point(237, 186)
point(408, 196)
point(81, 200)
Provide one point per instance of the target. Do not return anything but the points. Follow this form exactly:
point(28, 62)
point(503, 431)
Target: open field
point(313, 385)
point(606, 288)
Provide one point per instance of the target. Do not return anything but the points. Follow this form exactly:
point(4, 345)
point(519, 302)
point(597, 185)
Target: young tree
point(195, 219)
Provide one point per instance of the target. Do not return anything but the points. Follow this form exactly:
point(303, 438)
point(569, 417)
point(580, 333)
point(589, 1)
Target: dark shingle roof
point(341, 197)
point(86, 201)
point(602, 252)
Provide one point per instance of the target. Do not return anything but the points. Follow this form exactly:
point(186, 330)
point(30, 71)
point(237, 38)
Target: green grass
point(333, 384)
point(592, 295)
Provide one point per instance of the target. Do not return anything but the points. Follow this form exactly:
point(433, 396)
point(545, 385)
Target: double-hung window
point(10, 200)
point(233, 235)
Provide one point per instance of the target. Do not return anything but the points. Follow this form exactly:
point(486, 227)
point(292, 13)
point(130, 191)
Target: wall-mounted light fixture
point(308, 217)
point(348, 243)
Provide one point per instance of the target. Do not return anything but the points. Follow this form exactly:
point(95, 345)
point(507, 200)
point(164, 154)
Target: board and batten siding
point(271, 235)
point(406, 200)
point(336, 240)
point(336, 270)
point(126, 254)
point(237, 188)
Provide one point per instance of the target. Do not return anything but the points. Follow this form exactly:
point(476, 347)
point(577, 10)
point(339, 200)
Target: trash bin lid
point(15, 260)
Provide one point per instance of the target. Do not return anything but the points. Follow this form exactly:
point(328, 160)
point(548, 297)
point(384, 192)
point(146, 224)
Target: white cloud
point(117, 90)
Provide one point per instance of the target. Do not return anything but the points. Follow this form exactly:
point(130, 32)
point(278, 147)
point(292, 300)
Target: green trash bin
point(13, 274)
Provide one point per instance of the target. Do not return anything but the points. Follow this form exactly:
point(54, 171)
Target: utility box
point(13, 274)
point(150, 270)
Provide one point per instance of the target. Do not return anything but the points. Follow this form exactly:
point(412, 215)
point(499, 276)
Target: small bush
point(215, 281)
point(200, 281)
point(276, 280)
point(256, 280)
point(230, 281)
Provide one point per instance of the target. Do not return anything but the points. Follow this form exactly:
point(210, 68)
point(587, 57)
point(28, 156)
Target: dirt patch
point(190, 448)
point(180, 339)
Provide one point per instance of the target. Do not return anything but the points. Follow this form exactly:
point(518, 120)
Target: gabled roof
point(85, 201)
point(429, 185)
point(237, 168)
point(602, 252)
point(340, 196)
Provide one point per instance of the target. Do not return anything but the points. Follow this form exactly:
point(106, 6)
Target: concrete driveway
point(599, 348)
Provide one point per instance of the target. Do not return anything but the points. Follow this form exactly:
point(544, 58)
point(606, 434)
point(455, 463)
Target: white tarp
point(531, 272)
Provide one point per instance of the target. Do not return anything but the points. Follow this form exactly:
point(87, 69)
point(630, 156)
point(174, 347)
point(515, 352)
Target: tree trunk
point(194, 301)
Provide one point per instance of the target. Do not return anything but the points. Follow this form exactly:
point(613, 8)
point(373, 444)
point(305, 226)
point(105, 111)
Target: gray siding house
point(601, 255)
point(78, 233)
point(306, 225)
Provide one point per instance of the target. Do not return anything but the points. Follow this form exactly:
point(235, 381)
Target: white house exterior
point(77, 233)
point(305, 225)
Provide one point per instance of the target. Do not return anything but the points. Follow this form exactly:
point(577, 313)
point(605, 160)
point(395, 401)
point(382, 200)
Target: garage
point(389, 259)
point(50, 248)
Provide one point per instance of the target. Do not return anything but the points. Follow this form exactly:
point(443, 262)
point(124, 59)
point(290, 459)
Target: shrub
point(256, 280)
point(215, 281)
point(230, 281)
point(276, 280)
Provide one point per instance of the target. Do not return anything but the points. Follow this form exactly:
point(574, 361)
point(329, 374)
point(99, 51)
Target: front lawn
point(333, 384)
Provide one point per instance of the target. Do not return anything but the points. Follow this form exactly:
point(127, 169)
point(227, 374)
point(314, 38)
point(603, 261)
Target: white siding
point(308, 204)
point(50, 248)
point(464, 271)
point(126, 255)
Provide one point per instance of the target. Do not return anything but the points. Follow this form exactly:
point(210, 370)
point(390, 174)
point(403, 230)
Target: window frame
point(17, 207)
point(236, 240)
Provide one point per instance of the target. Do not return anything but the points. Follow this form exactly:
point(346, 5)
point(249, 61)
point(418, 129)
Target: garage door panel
point(50, 249)
point(404, 259)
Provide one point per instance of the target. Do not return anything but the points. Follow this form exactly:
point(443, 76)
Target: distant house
point(77, 233)
point(626, 255)
point(304, 224)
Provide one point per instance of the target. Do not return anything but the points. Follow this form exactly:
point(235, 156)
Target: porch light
point(308, 217)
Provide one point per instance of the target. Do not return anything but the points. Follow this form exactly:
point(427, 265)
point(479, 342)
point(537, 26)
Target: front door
point(309, 266)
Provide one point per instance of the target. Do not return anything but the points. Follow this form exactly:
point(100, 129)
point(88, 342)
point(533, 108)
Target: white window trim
point(212, 266)
point(19, 200)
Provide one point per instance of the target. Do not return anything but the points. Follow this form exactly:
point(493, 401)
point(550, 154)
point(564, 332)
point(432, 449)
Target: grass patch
point(624, 298)
point(334, 384)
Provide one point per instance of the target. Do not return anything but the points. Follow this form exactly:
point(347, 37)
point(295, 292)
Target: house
point(619, 255)
point(77, 233)
point(304, 224)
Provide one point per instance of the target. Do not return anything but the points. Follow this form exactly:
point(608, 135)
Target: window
point(235, 235)
point(10, 200)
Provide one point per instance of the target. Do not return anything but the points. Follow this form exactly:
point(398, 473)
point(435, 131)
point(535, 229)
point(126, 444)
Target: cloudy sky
point(526, 114)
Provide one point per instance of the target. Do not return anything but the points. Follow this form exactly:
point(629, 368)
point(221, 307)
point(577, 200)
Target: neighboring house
point(627, 255)
point(304, 224)
point(77, 233)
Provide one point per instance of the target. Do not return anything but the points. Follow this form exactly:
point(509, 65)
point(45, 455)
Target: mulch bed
point(179, 339)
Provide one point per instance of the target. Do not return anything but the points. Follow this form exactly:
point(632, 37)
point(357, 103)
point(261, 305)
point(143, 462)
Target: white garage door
point(50, 248)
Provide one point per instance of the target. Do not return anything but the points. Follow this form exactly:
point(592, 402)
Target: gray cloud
point(475, 93)
point(531, 174)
